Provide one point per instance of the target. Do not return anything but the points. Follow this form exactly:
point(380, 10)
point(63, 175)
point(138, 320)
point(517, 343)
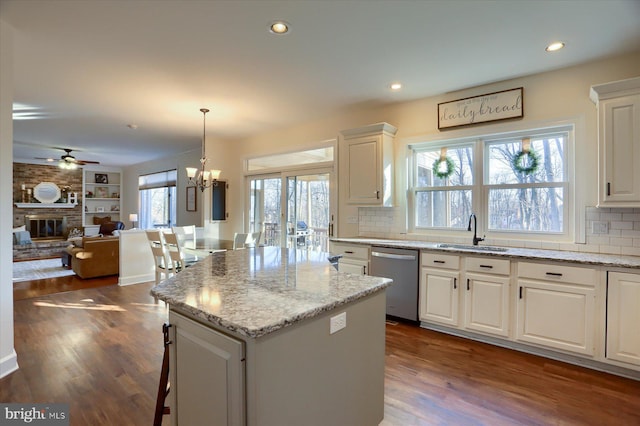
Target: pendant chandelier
point(202, 178)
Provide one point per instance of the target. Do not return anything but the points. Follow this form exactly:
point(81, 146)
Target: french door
point(293, 209)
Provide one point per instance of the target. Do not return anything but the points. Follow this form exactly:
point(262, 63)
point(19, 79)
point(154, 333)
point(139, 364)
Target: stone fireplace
point(46, 227)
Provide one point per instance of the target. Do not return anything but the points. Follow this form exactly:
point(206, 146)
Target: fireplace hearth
point(46, 227)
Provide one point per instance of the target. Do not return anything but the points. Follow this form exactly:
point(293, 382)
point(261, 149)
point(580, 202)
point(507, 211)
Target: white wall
point(551, 96)
point(8, 358)
point(179, 162)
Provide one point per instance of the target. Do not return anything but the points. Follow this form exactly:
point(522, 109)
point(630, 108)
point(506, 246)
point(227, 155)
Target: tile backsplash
point(608, 230)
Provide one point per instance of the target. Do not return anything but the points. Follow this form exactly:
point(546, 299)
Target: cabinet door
point(623, 317)
point(556, 315)
point(619, 151)
point(487, 304)
point(364, 178)
point(207, 375)
point(439, 296)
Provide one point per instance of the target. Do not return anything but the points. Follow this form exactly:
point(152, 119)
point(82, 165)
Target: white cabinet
point(355, 257)
point(556, 306)
point(101, 195)
point(486, 296)
point(366, 165)
point(212, 375)
point(623, 318)
point(618, 142)
point(439, 284)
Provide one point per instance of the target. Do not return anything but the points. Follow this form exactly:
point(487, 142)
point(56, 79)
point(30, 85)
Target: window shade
point(158, 180)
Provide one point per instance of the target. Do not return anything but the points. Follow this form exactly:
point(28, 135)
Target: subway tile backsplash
point(608, 230)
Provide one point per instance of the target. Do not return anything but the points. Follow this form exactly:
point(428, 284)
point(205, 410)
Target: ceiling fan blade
point(83, 162)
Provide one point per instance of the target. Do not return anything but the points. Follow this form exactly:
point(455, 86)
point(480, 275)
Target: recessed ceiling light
point(554, 46)
point(279, 27)
point(395, 86)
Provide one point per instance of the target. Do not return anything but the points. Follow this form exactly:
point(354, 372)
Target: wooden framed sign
point(192, 199)
point(504, 105)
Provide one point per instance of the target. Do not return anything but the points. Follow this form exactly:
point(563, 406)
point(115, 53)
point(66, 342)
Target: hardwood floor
point(35, 288)
point(100, 350)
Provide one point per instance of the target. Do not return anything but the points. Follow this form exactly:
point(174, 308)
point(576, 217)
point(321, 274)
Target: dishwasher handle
point(393, 256)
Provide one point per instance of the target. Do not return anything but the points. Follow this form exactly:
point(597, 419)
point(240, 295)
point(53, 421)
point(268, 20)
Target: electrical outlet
point(337, 322)
point(598, 227)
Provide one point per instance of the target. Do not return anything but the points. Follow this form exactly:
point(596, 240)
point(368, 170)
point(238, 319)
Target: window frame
point(481, 191)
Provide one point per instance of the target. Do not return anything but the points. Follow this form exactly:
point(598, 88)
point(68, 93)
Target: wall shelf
point(45, 205)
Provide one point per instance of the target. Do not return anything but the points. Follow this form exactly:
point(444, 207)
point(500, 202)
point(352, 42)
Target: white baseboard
point(8, 364)
point(137, 279)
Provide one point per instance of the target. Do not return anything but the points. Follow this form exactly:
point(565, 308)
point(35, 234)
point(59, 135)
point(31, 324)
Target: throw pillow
point(101, 220)
point(20, 228)
point(108, 228)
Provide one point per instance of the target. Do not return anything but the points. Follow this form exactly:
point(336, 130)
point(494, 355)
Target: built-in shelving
point(45, 205)
point(101, 189)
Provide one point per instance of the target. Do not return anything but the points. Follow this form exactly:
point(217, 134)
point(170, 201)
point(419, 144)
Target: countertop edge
point(262, 331)
point(609, 260)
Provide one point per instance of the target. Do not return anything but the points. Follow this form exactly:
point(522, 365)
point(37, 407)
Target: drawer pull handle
point(486, 266)
point(554, 274)
point(520, 292)
point(455, 283)
point(348, 251)
point(438, 261)
point(468, 284)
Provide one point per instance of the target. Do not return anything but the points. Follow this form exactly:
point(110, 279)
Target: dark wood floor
point(100, 350)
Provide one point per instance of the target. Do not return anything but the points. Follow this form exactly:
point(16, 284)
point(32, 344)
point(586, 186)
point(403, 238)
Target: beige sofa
point(95, 256)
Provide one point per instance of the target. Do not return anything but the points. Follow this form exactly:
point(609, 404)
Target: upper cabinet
point(366, 165)
point(618, 142)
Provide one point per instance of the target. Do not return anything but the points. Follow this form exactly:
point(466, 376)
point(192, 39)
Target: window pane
point(550, 152)
point(462, 157)
point(443, 209)
point(526, 209)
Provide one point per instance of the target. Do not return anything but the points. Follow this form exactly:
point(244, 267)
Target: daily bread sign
point(503, 105)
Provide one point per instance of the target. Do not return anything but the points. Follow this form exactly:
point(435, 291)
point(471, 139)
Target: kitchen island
point(271, 336)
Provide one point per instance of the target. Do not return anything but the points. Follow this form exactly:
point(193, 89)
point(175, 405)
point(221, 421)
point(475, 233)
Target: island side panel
point(302, 375)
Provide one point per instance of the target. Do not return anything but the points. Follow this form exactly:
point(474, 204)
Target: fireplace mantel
point(45, 205)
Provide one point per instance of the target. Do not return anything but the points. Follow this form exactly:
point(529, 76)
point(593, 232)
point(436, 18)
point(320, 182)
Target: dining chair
point(179, 259)
point(246, 240)
point(163, 266)
point(187, 240)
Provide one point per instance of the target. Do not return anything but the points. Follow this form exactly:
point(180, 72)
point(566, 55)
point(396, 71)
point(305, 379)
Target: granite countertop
point(255, 292)
point(512, 253)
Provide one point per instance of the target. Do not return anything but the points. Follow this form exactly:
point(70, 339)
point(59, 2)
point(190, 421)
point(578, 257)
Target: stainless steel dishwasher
point(401, 265)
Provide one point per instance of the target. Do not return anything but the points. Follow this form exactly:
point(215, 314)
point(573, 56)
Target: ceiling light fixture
point(554, 46)
point(396, 86)
point(279, 27)
point(202, 178)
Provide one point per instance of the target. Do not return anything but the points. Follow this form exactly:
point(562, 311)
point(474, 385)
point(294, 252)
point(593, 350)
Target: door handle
point(455, 283)
point(393, 256)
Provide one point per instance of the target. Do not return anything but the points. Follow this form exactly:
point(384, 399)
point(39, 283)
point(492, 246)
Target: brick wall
point(32, 174)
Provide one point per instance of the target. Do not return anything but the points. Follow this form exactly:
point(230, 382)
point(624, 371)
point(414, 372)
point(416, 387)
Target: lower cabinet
point(355, 257)
point(486, 295)
point(556, 307)
point(438, 292)
point(212, 364)
point(623, 317)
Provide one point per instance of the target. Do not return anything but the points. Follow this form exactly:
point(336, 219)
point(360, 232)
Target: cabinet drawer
point(437, 260)
point(488, 265)
point(559, 273)
point(351, 251)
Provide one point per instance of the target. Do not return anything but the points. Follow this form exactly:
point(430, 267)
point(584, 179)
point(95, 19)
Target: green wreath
point(534, 159)
point(450, 167)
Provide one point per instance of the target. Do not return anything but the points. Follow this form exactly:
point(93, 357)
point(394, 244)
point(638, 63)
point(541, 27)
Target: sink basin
point(471, 247)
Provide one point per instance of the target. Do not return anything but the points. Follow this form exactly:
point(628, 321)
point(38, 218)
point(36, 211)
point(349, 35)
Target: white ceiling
point(86, 69)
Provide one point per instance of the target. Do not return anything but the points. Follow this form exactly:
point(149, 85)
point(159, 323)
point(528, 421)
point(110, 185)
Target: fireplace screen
point(46, 227)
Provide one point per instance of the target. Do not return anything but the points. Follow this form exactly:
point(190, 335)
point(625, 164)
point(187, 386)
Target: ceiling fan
point(68, 161)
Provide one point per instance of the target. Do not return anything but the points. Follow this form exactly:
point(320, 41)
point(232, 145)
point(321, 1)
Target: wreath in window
point(437, 167)
point(519, 161)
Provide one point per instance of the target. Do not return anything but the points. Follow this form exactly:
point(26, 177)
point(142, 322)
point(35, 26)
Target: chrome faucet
point(476, 240)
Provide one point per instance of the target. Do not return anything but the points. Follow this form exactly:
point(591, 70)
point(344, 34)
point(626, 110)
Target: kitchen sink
point(471, 247)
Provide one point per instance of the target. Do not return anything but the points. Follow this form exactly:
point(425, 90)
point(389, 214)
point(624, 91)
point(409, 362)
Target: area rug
point(39, 269)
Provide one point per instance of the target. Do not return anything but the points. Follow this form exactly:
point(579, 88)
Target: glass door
point(292, 209)
point(265, 212)
point(308, 211)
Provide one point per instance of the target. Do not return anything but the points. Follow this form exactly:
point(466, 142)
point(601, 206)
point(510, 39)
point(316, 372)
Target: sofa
point(95, 256)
